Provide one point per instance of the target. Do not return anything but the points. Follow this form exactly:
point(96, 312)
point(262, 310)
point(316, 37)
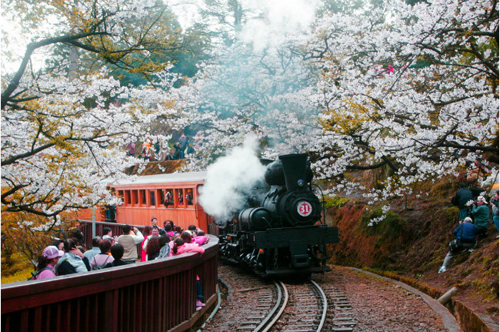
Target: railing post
point(111, 313)
point(93, 222)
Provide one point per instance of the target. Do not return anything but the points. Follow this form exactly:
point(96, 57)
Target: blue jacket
point(466, 232)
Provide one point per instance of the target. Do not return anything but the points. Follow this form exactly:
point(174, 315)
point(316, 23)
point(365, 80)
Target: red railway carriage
point(171, 196)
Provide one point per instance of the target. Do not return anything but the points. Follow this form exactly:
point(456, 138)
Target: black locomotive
point(279, 231)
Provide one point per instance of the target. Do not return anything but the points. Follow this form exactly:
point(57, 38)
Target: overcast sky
point(281, 17)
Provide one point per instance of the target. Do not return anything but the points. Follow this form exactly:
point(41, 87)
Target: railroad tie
point(344, 323)
point(342, 329)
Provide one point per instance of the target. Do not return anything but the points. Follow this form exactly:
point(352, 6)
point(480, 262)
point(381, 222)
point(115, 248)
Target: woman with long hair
point(164, 246)
point(73, 260)
point(153, 248)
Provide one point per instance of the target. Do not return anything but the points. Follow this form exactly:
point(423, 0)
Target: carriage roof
point(160, 178)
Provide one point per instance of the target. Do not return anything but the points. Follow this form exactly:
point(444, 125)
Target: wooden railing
point(152, 296)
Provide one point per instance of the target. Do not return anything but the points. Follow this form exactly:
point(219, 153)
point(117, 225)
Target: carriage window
point(143, 197)
point(169, 198)
point(152, 198)
point(135, 197)
point(128, 200)
point(121, 195)
point(161, 196)
point(189, 196)
point(179, 197)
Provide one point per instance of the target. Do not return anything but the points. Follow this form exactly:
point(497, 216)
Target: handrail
point(152, 296)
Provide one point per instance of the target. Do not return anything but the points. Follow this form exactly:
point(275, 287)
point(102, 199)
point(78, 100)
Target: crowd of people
point(68, 256)
point(157, 147)
point(477, 202)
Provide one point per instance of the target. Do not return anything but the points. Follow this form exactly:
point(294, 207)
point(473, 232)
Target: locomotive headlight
point(300, 183)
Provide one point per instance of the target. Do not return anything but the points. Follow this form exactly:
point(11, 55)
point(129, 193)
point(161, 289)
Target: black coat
point(463, 196)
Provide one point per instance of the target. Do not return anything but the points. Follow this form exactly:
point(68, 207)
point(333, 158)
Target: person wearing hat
point(481, 215)
point(465, 235)
point(49, 258)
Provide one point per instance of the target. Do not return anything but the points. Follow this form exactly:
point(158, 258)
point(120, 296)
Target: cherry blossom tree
point(412, 88)
point(408, 87)
point(63, 133)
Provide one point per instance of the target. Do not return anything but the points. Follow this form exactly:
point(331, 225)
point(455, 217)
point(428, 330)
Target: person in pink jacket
point(200, 238)
point(181, 247)
point(49, 258)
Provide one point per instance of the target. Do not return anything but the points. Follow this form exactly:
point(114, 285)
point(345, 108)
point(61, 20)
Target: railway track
point(340, 317)
point(305, 310)
point(355, 302)
point(299, 308)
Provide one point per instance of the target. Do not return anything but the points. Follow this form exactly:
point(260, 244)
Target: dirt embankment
point(410, 244)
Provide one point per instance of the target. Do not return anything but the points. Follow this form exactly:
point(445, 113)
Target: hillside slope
point(412, 242)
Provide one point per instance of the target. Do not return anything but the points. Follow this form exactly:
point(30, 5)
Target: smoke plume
point(230, 179)
point(277, 20)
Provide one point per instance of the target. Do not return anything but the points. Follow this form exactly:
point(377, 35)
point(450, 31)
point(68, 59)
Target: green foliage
point(390, 227)
point(24, 237)
point(452, 214)
point(335, 202)
point(15, 266)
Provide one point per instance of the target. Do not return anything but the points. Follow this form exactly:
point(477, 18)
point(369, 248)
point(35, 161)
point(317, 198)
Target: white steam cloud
point(279, 19)
point(267, 22)
point(230, 179)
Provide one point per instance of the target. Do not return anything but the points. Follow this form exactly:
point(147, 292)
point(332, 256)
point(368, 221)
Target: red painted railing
point(153, 296)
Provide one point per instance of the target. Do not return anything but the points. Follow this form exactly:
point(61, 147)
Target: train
point(279, 231)
point(166, 196)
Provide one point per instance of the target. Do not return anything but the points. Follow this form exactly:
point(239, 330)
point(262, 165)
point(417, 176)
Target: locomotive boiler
point(279, 230)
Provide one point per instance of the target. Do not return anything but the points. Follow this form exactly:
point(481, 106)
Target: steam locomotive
point(278, 232)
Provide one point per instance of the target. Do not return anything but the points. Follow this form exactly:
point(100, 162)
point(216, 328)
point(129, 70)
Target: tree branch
point(14, 83)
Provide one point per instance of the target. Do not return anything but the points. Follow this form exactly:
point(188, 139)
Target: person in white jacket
point(129, 240)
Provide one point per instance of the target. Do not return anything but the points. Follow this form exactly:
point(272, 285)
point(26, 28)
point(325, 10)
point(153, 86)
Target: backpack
point(34, 274)
point(65, 268)
point(100, 267)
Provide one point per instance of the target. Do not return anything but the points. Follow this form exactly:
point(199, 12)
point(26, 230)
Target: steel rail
point(274, 314)
point(325, 306)
point(214, 312)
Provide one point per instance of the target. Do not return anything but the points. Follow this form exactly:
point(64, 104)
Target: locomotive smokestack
point(295, 170)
